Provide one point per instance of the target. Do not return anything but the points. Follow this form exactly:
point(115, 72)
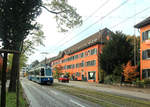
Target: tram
point(42, 75)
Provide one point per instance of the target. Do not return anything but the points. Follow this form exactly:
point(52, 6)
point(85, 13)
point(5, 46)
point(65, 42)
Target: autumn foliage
point(57, 71)
point(129, 72)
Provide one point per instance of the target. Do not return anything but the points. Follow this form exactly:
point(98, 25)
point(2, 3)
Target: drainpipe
point(141, 60)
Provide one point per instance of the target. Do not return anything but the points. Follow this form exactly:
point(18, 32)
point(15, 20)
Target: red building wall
point(145, 64)
point(82, 70)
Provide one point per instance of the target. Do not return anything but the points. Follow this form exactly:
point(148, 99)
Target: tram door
point(42, 71)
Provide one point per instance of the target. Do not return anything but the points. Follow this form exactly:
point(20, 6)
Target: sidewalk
point(139, 93)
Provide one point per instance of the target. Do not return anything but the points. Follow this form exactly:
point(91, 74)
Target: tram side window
point(42, 71)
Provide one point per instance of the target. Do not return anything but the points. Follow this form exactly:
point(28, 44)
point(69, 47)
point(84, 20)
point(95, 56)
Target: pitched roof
point(99, 37)
point(143, 23)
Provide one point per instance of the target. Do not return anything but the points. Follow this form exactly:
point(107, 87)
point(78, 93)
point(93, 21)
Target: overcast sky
point(92, 12)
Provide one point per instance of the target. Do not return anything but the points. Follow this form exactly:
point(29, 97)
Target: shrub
point(147, 81)
point(108, 79)
point(118, 71)
point(129, 72)
point(117, 74)
point(140, 84)
point(116, 79)
point(101, 76)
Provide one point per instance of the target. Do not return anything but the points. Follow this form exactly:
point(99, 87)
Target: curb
point(25, 97)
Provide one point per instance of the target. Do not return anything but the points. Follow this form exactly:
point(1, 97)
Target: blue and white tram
point(41, 75)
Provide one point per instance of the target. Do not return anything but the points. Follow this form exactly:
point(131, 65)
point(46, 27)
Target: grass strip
point(11, 99)
point(102, 98)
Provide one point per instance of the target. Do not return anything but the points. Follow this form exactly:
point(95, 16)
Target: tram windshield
point(48, 72)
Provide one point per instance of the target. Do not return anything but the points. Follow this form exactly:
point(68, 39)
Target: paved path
point(122, 91)
point(45, 96)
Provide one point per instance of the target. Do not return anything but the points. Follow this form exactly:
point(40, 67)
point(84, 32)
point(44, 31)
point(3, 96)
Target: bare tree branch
point(23, 51)
point(53, 11)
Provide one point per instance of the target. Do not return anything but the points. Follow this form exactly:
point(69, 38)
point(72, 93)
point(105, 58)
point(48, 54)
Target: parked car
point(63, 78)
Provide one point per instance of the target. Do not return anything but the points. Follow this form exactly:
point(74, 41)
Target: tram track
point(102, 98)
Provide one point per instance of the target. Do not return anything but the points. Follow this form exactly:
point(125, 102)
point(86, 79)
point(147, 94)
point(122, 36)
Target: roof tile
point(143, 23)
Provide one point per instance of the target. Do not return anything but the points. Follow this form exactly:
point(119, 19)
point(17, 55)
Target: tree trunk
point(13, 76)
point(17, 82)
point(3, 88)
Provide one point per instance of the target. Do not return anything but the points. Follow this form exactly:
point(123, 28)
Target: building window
point(91, 75)
point(69, 66)
point(77, 74)
point(63, 61)
point(146, 35)
point(73, 66)
point(72, 57)
point(146, 74)
point(91, 63)
point(93, 51)
point(146, 54)
point(89, 52)
point(86, 53)
point(88, 63)
point(65, 67)
point(82, 55)
point(76, 57)
point(82, 64)
point(77, 65)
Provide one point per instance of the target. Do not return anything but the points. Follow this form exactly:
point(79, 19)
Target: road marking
point(54, 92)
point(76, 103)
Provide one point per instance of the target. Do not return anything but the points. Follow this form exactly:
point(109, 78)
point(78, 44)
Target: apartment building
point(144, 27)
point(81, 60)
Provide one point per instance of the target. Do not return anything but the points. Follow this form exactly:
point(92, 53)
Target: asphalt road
point(44, 96)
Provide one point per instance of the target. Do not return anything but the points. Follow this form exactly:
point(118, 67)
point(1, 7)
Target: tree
point(117, 51)
point(66, 16)
point(129, 72)
point(17, 20)
point(57, 70)
point(135, 41)
point(34, 39)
